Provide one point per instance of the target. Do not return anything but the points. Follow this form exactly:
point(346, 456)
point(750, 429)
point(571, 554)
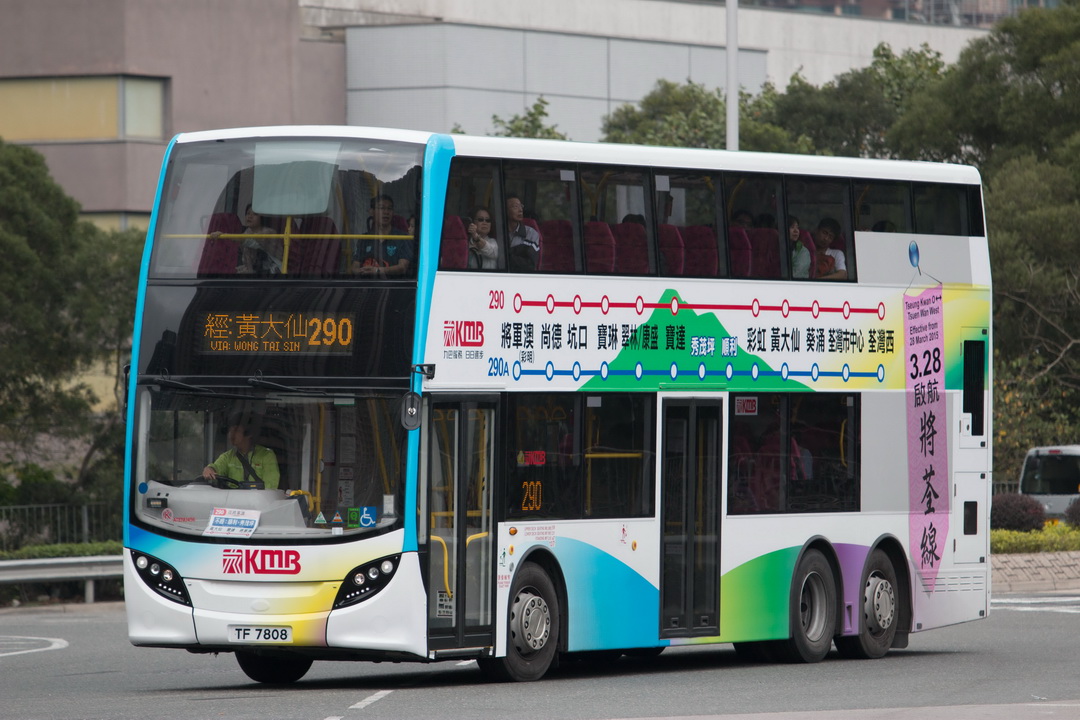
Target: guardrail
point(87, 569)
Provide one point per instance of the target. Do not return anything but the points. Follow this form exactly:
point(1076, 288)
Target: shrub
point(1013, 511)
point(1072, 513)
point(1052, 538)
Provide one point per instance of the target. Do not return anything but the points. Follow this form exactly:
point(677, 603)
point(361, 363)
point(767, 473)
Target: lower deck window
point(574, 456)
point(793, 453)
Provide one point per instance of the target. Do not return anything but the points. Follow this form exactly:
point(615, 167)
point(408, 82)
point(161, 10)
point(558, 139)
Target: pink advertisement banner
point(928, 463)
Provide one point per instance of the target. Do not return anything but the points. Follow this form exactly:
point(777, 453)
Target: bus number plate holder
point(253, 634)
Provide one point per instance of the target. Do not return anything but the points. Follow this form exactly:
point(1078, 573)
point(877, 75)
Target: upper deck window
point(288, 207)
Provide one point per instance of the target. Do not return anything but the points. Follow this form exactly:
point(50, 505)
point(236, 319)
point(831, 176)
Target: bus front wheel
point(877, 628)
point(533, 629)
point(812, 608)
point(273, 669)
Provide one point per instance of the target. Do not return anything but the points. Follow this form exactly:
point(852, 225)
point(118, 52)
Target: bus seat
point(316, 255)
point(631, 249)
point(557, 250)
point(741, 257)
point(454, 247)
point(702, 258)
point(599, 248)
point(672, 252)
point(221, 255)
point(765, 245)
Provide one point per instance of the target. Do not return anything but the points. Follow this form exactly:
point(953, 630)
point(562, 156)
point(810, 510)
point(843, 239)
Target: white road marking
point(465, 662)
point(18, 642)
point(370, 699)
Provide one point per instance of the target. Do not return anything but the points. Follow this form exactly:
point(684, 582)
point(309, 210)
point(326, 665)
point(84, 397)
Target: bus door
point(691, 462)
point(460, 460)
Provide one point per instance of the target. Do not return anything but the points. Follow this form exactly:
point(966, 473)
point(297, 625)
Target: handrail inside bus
point(445, 565)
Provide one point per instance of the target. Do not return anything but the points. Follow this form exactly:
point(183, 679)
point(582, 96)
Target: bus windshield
point(268, 466)
point(259, 207)
point(1051, 473)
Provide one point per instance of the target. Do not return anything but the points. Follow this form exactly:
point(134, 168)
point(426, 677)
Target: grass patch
point(1051, 538)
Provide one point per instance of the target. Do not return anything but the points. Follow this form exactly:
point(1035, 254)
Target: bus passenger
point(483, 248)
point(246, 464)
point(260, 256)
point(381, 254)
point(800, 254)
point(742, 218)
point(830, 262)
point(524, 240)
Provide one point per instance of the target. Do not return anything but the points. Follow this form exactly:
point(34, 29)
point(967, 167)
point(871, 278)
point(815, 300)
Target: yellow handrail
point(477, 536)
point(445, 565)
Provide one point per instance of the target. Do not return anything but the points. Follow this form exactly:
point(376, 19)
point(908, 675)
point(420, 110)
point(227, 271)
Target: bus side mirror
point(410, 410)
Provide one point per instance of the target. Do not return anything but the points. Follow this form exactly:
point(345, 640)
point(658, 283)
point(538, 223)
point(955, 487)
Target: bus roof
point(612, 153)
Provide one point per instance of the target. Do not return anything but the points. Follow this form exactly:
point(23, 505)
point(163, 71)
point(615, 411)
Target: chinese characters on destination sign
point(276, 333)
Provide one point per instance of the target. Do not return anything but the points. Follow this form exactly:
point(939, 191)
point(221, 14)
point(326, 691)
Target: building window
point(57, 109)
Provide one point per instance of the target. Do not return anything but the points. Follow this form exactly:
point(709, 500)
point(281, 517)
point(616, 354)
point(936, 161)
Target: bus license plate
point(259, 634)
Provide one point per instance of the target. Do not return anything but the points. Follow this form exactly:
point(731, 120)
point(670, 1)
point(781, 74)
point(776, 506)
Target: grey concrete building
point(99, 86)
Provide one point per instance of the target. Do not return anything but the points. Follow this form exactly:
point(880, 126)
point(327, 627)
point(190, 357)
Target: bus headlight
point(365, 580)
point(160, 577)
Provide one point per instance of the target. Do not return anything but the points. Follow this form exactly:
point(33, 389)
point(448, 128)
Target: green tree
point(531, 124)
point(44, 339)
point(690, 115)
point(1030, 409)
point(67, 294)
point(852, 114)
point(1014, 92)
point(1034, 215)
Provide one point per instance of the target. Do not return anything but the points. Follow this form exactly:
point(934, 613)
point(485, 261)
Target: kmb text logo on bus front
point(463, 333)
point(260, 562)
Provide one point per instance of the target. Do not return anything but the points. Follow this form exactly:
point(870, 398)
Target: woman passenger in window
point(830, 262)
point(483, 248)
point(800, 254)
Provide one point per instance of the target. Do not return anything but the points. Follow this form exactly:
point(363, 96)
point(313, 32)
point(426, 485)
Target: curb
point(1035, 572)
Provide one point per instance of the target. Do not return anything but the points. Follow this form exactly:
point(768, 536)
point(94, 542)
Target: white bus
point(411, 396)
point(1051, 475)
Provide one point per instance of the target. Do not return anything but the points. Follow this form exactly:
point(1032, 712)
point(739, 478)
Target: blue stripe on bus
point(437, 156)
point(136, 337)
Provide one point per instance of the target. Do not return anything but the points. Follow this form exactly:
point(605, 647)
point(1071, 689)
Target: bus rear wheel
point(273, 669)
point(533, 629)
point(812, 609)
point(878, 622)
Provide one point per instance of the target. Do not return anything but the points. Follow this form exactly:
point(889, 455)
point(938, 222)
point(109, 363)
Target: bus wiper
point(169, 382)
point(165, 381)
point(258, 381)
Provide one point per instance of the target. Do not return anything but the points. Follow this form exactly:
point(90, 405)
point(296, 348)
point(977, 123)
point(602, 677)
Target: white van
point(1052, 476)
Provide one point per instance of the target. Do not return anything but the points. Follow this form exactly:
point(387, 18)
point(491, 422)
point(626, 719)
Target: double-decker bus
point(680, 397)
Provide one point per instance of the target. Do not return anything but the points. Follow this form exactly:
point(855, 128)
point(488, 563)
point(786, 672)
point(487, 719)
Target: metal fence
point(47, 524)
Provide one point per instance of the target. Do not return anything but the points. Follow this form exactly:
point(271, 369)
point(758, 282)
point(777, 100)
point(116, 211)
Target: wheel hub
point(530, 622)
point(812, 607)
point(879, 604)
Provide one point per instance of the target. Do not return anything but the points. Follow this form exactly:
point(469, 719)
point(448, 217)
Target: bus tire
point(532, 629)
point(812, 609)
point(273, 669)
point(880, 611)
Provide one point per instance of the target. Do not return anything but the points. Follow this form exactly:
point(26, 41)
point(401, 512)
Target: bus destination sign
point(277, 333)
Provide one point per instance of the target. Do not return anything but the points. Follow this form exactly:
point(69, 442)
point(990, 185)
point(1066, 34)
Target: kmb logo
point(463, 333)
point(260, 562)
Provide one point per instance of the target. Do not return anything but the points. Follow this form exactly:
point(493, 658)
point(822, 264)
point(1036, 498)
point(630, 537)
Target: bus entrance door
point(460, 460)
point(692, 445)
